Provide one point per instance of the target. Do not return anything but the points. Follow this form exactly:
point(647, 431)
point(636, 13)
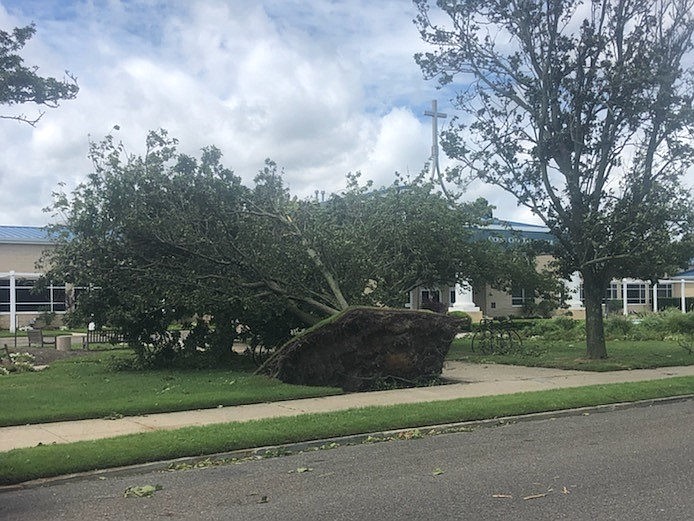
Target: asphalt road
point(633, 464)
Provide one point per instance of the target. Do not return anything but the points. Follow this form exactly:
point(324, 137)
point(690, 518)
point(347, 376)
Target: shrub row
point(652, 326)
point(666, 303)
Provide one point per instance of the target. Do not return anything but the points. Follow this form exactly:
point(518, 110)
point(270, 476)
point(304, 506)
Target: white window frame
point(637, 293)
point(664, 290)
point(429, 293)
point(518, 297)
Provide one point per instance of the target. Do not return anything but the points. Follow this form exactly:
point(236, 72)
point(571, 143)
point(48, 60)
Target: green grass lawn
point(85, 387)
point(622, 354)
point(20, 465)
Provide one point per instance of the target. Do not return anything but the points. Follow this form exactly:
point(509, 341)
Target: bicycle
point(496, 336)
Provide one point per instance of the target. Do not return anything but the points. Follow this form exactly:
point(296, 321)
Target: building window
point(613, 292)
point(51, 298)
point(665, 290)
point(4, 296)
point(431, 295)
point(519, 296)
point(636, 293)
point(452, 295)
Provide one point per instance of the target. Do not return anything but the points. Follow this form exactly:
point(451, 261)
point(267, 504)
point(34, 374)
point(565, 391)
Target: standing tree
point(20, 84)
point(583, 112)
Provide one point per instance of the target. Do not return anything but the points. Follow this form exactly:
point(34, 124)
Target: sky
point(322, 87)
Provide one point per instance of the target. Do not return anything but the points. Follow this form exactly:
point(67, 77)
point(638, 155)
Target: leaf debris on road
point(535, 496)
point(142, 491)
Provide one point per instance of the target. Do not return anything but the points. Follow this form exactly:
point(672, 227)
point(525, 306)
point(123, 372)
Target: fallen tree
point(364, 347)
point(165, 237)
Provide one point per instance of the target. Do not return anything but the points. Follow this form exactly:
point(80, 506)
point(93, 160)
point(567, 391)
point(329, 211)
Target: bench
point(103, 336)
point(36, 336)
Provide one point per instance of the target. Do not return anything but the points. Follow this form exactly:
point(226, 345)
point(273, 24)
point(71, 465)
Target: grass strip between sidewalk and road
point(20, 465)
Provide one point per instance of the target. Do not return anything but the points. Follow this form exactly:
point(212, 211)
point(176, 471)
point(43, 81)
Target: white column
point(655, 297)
point(625, 311)
point(683, 302)
point(13, 302)
point(573, 289)
point(463, 299)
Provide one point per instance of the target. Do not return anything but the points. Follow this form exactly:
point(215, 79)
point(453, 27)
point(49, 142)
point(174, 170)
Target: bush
point(558, 328)
point(45, 319)
point(466, 320)
point(565, 323)
point(525, 324)
point(434, 305)
point(542, 309)
point(650, 326)
point(678, 322)
point(614, 306)
point(618, 327)
point(675, 302)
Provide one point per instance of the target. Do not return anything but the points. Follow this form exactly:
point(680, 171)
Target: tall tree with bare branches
point(583, 111)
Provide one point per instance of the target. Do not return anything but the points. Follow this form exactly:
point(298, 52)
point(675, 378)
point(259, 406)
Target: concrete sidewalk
point(470, 381)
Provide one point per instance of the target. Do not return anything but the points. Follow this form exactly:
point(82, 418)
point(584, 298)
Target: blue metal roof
point(24, 235)
point(688, 274)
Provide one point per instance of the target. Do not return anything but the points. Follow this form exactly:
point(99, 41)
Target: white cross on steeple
point(435, 115)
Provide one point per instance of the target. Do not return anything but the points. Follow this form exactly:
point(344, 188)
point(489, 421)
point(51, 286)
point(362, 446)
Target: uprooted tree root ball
point(360, 347)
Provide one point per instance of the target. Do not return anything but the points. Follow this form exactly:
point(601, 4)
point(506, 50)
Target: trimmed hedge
point(665, 303)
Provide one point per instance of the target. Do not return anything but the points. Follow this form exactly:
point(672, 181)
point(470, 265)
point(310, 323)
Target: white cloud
point(288, 80)
point(401, 144)
point(321, 87)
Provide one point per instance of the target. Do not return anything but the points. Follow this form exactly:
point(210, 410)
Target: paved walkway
point(471, 381)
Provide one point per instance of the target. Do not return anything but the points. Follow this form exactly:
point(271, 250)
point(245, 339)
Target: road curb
point(328, 443)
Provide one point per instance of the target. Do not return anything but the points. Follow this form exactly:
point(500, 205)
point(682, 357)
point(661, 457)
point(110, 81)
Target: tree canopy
point(164, 236)
point(584, 112)
point(21, 84)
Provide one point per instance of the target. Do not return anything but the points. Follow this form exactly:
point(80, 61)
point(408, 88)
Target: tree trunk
point(593, 293)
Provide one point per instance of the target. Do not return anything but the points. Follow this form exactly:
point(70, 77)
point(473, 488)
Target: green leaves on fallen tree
point(166, 237)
